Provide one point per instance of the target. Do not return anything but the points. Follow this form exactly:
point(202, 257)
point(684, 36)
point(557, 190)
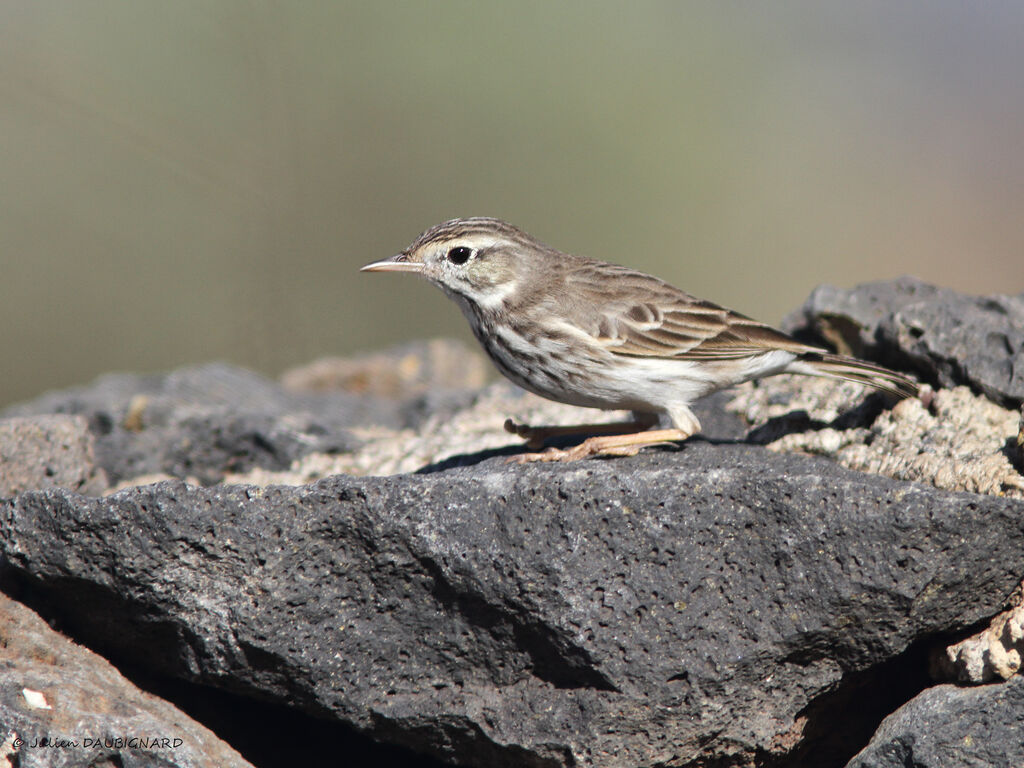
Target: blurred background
point(190, 181)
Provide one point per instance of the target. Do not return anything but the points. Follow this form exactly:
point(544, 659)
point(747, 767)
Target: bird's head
point(478, 259)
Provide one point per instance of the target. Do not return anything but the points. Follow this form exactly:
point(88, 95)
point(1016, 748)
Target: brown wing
point(631, 313)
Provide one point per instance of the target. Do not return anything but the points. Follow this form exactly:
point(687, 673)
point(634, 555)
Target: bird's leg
point(535, 436)
point(638, 435)
point(606, 445)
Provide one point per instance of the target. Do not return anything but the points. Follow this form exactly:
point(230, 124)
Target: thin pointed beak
point(399, 263)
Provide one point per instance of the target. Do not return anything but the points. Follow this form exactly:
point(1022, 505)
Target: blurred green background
point(188, 181)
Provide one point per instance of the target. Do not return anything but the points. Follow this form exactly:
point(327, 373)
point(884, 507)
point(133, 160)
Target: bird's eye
point(459, 254)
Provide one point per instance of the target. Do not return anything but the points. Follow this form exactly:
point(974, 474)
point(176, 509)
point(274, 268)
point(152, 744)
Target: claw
point(551, 454)
point(532, 435)
point(523, 430)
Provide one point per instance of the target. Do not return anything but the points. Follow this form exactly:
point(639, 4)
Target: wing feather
point(633, 314)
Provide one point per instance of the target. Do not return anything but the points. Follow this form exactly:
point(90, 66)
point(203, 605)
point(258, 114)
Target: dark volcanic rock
point(46, 452)
point(430, 379)
point(948, 727)
point(715, 603)
point(62, 706)
point(948, 338)
point(400, 372)
point(203, 422)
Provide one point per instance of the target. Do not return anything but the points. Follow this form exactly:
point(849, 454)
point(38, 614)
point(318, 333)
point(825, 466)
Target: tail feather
point(851, 369)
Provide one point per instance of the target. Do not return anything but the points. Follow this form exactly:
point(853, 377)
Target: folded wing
point(640, 316)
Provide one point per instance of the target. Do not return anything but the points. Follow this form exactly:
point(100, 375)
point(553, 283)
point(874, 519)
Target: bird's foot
point(536, 435)
point(604, 445)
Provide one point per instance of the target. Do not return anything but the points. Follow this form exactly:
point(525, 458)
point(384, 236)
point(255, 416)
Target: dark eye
point(460, 254)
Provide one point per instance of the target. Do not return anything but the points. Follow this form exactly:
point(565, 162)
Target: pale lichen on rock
point(991, 655)
point(960, 442)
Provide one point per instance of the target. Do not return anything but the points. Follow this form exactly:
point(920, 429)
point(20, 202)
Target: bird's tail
point(851, 369)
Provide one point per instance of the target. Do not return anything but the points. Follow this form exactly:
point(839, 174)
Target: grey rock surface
point(48, 451)
point(400, 372)
point(948, 338)
point(676, 608)
point(206, 421)
point(950, 727)
point(62, 706)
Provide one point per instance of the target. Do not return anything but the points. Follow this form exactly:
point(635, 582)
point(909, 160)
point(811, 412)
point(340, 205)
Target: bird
point(589, 333)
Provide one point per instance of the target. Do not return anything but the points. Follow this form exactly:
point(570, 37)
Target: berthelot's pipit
point(588, 333)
